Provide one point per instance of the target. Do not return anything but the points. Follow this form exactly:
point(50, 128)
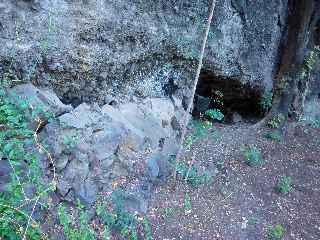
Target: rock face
point(96, 149)
point(105, 50)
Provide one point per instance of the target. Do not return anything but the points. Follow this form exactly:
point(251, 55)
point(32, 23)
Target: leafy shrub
point(214, 114)
point(284, 185)
point(121, 220)
point(75, 230)
point(15, 141)
point(276, 232)
point(200, 128)
point(252, 155)
point(192, 174)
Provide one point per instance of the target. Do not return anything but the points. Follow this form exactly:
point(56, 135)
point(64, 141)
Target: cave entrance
point(238, 102)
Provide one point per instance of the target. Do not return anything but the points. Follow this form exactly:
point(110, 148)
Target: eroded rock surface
point(97, 51)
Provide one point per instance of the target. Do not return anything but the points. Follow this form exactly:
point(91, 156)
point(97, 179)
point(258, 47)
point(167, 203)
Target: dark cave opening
point(237, 101)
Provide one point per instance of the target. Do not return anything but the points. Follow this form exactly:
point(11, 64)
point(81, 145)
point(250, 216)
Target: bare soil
point(241, 202)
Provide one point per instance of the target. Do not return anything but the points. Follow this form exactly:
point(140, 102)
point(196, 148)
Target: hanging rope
point(195, 83)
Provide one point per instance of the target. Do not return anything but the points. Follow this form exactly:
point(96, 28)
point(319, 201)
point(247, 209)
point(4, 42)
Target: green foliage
point(15, 137)
point(266, 101)
point(252, 221)
point(252, 155)
point(188, 142)
point(194, 178)
point(214, 114)
point(276, 232)
point(211, 35)
point(147, 229)
point(121, 220)
point(315, 123)
point(187, 204)
point(311, 59)
point(284, 185)
point(168, 212)
point(276, 121)
point(12, 223)
point(275, 136)
point(76, 228)
point(218, 97)
point(309, 63)
point(200, 128)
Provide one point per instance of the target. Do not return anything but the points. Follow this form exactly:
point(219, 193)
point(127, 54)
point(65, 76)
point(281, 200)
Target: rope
point(195, 83)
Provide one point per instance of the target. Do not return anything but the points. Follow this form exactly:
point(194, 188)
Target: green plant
point(275, 136)
point(276, 121)
point(187, 204)
point(75, 230)
point(266, 101)
point(311, 58)
point(147, 229)
point(252, 155)
point(188, 142)
point(218, 97)
point(120, 219)
point(214, 114)
point(106, 233)
point(15, 141)
point(315, 123)
point(168, 212)
point(284, 185)
point(192, 174)
point(211, 35)
point(252, 221)
point(275, 232)
point(200, 128)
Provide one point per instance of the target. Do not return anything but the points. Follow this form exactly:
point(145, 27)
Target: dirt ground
point(241, 202)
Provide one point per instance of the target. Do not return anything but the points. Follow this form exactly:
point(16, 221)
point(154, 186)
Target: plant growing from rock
point(266, 101)
point(252, 155)
point(15, 140)
point(276, 232)
point(315, 123)
point(284, 185)
point(309, 62)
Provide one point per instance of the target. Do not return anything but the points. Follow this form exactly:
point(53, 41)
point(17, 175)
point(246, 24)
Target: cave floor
point(241, 202)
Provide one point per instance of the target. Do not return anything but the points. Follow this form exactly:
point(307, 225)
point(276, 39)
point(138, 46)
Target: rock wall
point(95, 149)
point(105, 50)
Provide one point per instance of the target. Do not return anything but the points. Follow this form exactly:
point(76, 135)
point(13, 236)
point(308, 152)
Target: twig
point(30, 217)
point(227, 197)
point(184, 127)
